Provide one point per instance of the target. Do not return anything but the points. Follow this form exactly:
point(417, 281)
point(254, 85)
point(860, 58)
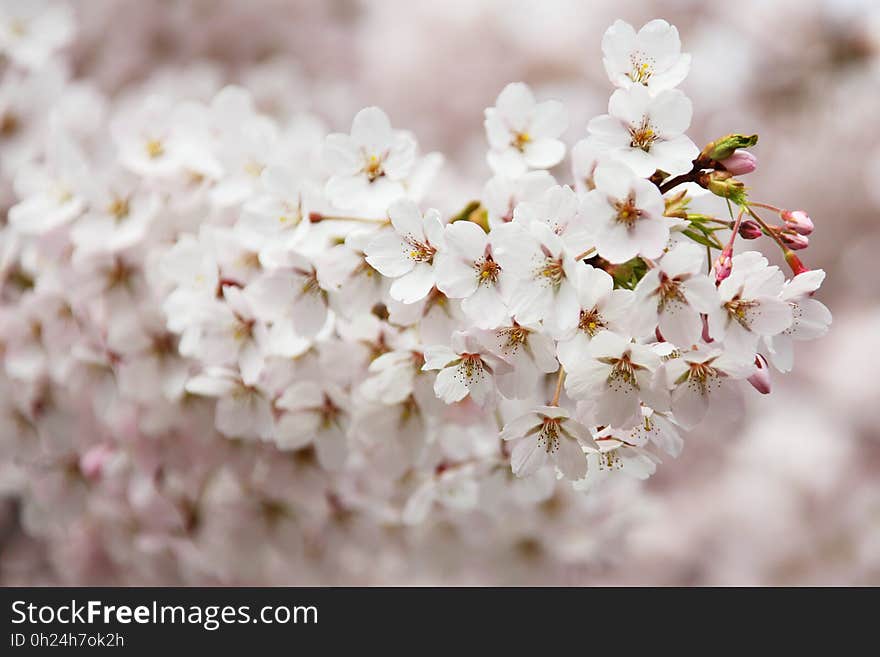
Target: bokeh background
point(790, 493)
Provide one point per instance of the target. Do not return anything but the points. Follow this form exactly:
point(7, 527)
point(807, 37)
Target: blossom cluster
point(566, 325)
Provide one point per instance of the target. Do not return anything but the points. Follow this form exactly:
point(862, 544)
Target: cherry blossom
point(407, 253)
point(31, 31)
point(617, 376)
point(523, 133)
point(545, 275)
point(651, 57)
point(749, 306)
point(370, 166)
point(242, 411)
point(314, 415)
point(646, 132)
point(466, 369)
point(235, 348)
point(697, 375)
point(548, 435)
point(627, 214)
point(672, 296)
point(602, 308)
point(810, 318)
point(467, 270)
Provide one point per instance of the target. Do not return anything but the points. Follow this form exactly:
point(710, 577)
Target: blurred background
point(788, 495)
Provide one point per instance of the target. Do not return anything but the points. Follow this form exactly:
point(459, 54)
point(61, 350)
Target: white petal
point(570, 459)
point(527, 457)
point(415, 285)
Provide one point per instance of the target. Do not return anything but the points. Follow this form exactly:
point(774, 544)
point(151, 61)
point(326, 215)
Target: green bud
point(723, 184)
point(722, 148)
point(676, 205)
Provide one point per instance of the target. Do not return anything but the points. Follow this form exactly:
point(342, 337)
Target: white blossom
point(523, 133)
point(646, 132)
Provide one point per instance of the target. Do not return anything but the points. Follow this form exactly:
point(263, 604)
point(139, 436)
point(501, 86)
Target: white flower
point(810, 318)
point(355, 285)
point(32, 30)
point(157, 138)
point(242, 411)
point(119, 215)
point(290, 291)
point(407, 252)
point(467, 270)
point(602, 308)
point(465, 369)
point(392, 376)
point(529, 353)
point(524, 134)
point(246, 145)
point(228, 334)
point(280, 211)
point(192, 269)
point(626, 213)
point(562, 210)
point(149, 365)
point(454, 488)
point(502, 194)
point(697, 375)
point(544, 272)
point(396, 434)
point(369, 166)
point(616, 378)
point(51, 195)
point(652, 57)
point(548, 435)
point(315, 415)
point(673, 294)
point(647, 132)
point(615, 454)
point(657, 428)
point(749, 306)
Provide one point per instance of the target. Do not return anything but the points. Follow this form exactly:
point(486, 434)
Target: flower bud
point(676, 205)
point(723, 266)
point(723, 184)
point(740, 163)
point(797, 267)
point(793, 240)
point(798, 221)
point(760, 380)
point(750, 230)
point(723, 148)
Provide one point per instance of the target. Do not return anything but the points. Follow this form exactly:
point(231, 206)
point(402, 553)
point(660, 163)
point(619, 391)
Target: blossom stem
point(691, 176)
point(585, 254)
point(559, 379)
point(720, 222)
point(766, 206)
point(797, 267)
point(768, 230)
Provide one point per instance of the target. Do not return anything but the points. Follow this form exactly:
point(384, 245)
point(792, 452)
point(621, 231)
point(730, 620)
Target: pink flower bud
point(793, 240)
point(760, 380)
point(798, 221)
point(797, 267)
point(741, 162)
point(750, 230)
point(723, 266)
